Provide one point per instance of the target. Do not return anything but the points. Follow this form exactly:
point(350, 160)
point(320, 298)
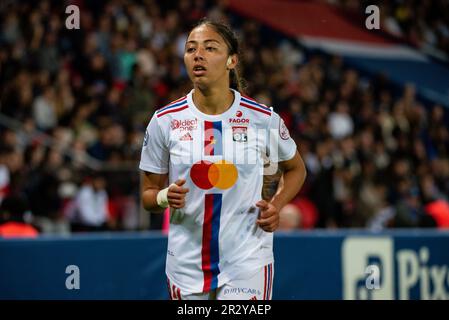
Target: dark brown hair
point(235, 81)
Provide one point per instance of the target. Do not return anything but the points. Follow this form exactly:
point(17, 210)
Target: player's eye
point(190, 50)
point(211, 48)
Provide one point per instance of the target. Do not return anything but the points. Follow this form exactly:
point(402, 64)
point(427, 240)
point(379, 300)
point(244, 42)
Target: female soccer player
point(210, 145)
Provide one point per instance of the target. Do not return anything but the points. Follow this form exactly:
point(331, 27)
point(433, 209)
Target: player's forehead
point(205, 33)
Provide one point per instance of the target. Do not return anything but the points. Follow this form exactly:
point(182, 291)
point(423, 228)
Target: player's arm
point(153, 184)
point(293, 177)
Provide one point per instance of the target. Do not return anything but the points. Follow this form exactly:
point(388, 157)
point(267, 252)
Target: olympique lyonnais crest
point(240, 134)
point(283, 130)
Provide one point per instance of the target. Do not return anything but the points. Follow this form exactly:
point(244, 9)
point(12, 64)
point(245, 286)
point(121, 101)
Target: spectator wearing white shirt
point(44, 112)
point(340, 122)
point(89, 210)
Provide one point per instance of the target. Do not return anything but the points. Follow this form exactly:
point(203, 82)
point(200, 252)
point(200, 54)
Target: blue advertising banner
point(321, 265)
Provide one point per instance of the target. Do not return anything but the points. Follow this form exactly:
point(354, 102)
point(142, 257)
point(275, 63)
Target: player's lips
point(199, 70)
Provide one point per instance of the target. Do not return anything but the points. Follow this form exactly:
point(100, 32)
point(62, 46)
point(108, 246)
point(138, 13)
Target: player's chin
point(200, 80)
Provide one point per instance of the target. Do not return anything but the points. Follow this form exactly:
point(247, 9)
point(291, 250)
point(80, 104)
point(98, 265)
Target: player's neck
point(213, 101)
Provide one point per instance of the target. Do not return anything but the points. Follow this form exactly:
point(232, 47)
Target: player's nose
point(198, 55)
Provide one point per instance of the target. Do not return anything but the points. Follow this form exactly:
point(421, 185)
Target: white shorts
point(258, 287)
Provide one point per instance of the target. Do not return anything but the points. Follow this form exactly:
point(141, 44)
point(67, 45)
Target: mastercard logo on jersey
point(220, 174)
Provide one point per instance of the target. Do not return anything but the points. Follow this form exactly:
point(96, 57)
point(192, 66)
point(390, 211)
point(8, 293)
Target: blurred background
point(368, 109)
point(76, 102)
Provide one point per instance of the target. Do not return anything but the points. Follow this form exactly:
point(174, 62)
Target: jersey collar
point(227, 114)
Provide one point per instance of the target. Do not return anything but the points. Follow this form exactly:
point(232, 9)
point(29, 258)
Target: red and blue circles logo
point(220, 174)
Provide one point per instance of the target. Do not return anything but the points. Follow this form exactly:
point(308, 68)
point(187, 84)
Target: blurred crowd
point(423, 24)
point(75, 104)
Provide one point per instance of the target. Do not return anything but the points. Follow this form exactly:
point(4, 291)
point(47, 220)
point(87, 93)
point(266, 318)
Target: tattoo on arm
point(270, 185)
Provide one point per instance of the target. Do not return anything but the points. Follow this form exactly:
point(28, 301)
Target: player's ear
point(231, 62)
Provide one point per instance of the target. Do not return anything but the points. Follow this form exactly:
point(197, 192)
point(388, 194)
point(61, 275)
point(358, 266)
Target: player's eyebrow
point(205, 41)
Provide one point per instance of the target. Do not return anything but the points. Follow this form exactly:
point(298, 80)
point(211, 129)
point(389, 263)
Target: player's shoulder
point(261, 113)
point(174, 107)
point(256, 108)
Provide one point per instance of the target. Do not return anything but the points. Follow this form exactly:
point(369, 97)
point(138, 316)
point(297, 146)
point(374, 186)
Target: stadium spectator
point(289, 218)
point(12, 218)
point(89, 210)
point(5, 178)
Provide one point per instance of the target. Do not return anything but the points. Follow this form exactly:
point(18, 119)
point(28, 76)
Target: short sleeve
point(280, 146)
point(155, 154)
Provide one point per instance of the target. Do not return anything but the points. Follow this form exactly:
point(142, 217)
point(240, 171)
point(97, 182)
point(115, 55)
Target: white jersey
point(214, 238)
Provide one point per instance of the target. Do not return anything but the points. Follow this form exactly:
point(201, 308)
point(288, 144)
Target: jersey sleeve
point(155, 153)
point(280, 146)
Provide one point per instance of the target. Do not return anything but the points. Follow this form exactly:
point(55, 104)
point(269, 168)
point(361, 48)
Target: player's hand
point(269, 216)
point(177, 194)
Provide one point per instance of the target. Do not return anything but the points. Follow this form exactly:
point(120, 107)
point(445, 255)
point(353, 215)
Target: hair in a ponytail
point(235, 81)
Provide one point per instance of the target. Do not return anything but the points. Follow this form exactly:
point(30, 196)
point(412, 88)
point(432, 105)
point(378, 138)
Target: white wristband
point(161, 198)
